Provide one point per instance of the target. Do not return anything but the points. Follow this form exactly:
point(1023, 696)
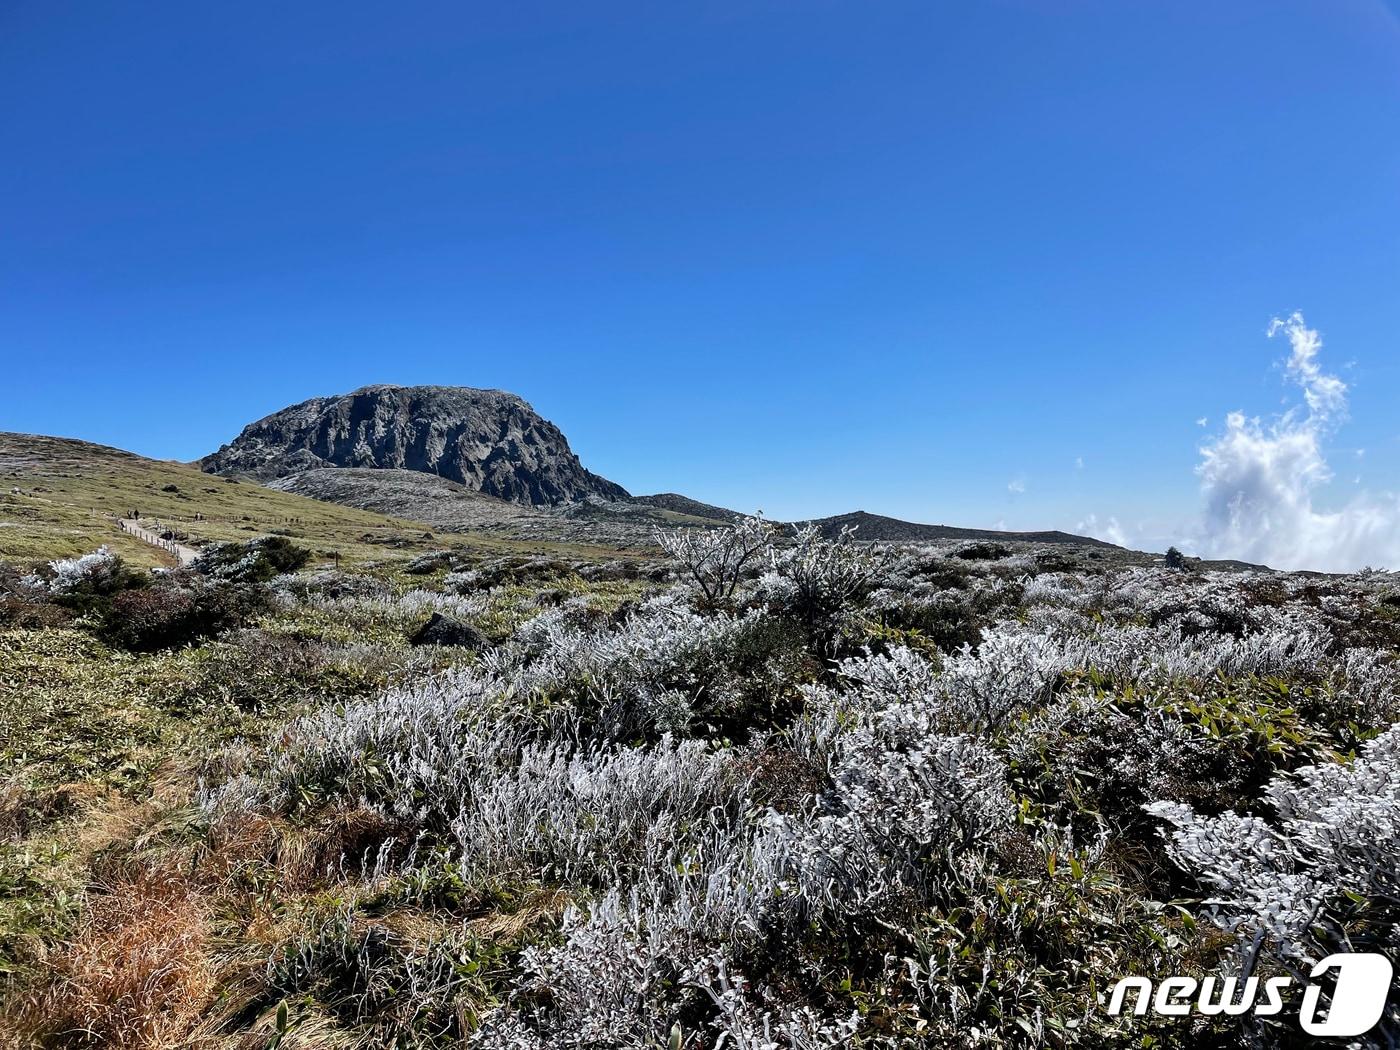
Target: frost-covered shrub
point(412, 751)
point(1017, 961)
point(984, 551)
point(1365, 685)
point(874, 683)
point(469, 576)
point(83, 584)
point(1056, 589)
point(939, 599)
point(67, 588)
point(100, 572)
point(581, 813)
point(1333, 843)
point(1093, 756)
point(419, 602)
point(1087, 759)
point(820, 583)
point(519, 801)
point(899, 811)
point(902, 811)
point(907, 565)
point(758, 839)
point(613, 981)
point(618, 569)
point(627, 975)
point(664, 667)
point(714, 561)
point(1010, 671)
point(464, 581)
point(380, 610)
point(1022, 660)
point(25, 600)
point(1013, 670)
point(1360, 611)
point(255, 561)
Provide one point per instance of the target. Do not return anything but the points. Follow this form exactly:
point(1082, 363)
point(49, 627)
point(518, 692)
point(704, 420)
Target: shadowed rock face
point(487, 440)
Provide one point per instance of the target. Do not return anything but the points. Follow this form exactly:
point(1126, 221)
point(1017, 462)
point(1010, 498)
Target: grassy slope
point(101, 751)
point(100, 748)
point(70, 492)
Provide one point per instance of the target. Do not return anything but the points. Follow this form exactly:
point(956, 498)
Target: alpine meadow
point(601, 772)
point(731, 526)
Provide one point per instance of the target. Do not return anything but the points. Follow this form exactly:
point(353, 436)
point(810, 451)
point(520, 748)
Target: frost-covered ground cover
point(792, 793)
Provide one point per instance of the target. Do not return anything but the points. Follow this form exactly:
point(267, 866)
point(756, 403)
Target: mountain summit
point(487, 440)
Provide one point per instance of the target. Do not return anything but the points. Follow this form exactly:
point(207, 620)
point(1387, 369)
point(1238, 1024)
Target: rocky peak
point(488, 440)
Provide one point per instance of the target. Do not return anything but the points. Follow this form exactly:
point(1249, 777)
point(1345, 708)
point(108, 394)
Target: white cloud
point(1258, 481)
point(1078, 462)
point(1326, 395)
point(1109, 530)
point(1016, 486)
point(1202, 421)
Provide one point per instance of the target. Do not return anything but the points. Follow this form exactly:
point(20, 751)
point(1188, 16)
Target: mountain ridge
point(460, 458)
point(881, 527)
point(403, 499)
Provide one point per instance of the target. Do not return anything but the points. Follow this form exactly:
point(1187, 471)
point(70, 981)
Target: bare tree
point(715, 559)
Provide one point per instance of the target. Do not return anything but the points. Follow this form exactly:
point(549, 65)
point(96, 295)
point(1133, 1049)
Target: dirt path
point(134, 528)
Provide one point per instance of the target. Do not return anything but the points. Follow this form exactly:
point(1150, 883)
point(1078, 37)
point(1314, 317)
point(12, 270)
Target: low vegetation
point(776, 791)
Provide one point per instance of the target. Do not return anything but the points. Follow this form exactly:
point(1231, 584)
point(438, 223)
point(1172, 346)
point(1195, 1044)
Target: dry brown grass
point(25, 810)
point(542, 909)
point(14, 811)
point(351, 840)
point(343, 844)
point(312, 1030)
point(137, 974)
point(172, 944)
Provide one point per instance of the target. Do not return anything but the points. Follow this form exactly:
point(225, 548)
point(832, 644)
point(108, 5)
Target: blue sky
point(918, 258)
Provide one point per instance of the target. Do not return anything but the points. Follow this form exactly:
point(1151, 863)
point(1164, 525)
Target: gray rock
point(444, 630)
point(486, 440)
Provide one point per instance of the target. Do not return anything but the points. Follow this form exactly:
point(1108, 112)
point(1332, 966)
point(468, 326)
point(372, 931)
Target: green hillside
point(61, 497)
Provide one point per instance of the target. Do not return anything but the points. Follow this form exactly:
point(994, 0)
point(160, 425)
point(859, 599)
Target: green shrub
point(172, 613)
point(253, 562)
point(150, 619)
